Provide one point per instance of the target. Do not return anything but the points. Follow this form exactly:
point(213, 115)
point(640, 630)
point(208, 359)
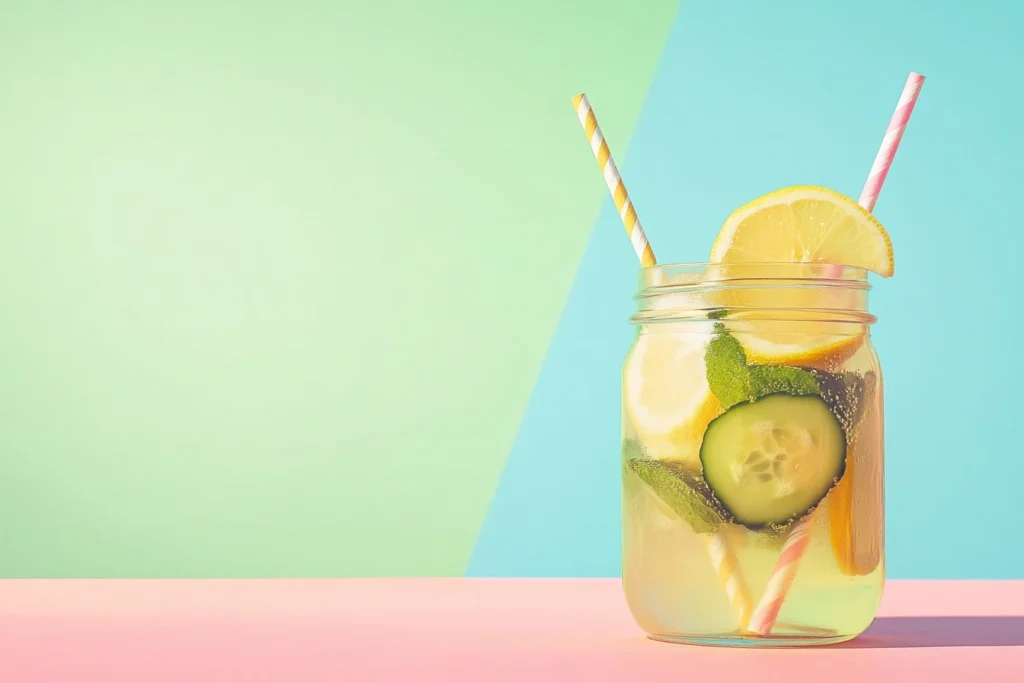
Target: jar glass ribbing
point(752, 455)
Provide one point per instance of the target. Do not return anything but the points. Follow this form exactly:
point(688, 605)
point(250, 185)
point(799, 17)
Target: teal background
point(749, 97)
point(317, 289)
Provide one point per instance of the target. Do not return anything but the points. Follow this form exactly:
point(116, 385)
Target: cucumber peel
point(757, 499)
point(772, 460)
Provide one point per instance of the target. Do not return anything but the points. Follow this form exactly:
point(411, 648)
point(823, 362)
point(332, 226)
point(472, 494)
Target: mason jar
point(752, 455)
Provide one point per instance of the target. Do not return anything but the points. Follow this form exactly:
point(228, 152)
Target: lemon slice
point(666, 393)
point(805, 224)
point(795, 342)
point(795, 225)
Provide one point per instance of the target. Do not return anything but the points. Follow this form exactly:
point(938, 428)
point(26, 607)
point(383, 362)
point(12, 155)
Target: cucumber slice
point(770, 461)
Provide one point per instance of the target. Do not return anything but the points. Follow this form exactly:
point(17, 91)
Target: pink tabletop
point(481, 630)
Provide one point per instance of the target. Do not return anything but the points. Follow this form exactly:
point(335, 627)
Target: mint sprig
point(733, 380)
point(683, 490)
point(726, 365)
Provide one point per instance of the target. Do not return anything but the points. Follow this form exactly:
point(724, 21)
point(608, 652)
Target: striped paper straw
point(723, 557)
point(786, 567)
point(767, 610)
point(611, 176)
point(727, 567)
point(891, 141)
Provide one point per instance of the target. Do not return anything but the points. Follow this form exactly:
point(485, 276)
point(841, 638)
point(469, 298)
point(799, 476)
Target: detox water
point(737, 429)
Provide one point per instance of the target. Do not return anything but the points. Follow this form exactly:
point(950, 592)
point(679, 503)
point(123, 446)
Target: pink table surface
point(481, 630)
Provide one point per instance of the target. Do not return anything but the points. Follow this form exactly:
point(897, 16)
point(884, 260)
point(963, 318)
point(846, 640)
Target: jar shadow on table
point(949, 631)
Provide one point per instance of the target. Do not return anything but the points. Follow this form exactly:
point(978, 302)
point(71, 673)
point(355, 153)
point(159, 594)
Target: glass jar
point(752, 455)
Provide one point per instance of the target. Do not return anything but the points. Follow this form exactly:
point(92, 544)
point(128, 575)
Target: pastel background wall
point(333, 288)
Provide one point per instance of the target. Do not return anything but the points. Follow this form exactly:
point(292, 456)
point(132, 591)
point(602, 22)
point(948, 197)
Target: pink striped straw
point(887, 152)
point(767, 610)
point(891, 141)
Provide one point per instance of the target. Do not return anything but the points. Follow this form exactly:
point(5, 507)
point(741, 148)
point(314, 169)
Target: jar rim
point(676, 292)
point(782, 269)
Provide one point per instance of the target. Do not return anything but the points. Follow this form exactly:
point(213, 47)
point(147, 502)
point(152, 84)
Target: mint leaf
point(733, 381)
point(726, 366)
point(682, 490)
point(780, 379)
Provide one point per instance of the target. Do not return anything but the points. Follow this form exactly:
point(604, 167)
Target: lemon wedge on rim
point(803, 224)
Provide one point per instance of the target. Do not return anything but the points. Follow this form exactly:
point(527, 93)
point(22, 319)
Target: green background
point(335, 288)
point(278, 277)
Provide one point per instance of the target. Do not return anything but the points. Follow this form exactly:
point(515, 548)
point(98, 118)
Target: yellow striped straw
point(720, 550)
point(611, 176)
point(727, 567)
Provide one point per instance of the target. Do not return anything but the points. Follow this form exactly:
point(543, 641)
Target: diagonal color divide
point(735, 111)
point(555, 512)
point(274, 301)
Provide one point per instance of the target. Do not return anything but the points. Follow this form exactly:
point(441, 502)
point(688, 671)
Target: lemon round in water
point(666, 394)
